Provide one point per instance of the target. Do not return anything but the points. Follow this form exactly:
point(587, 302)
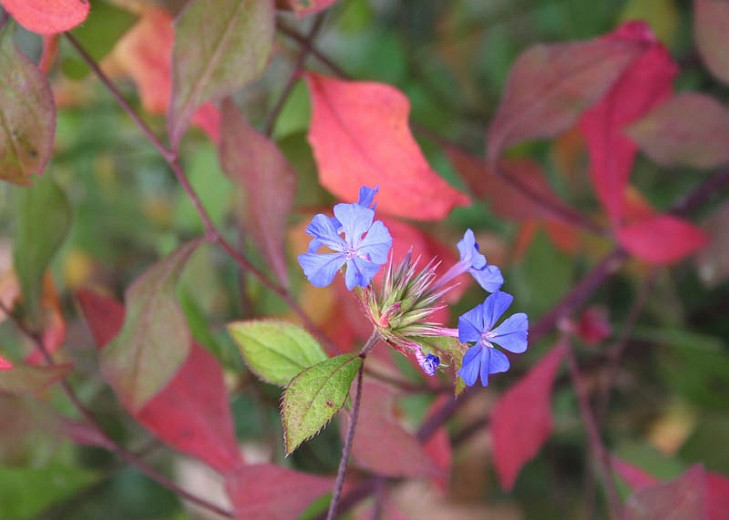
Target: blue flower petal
point(468, 249)
point(367, 195)
point(320, 269)
point(325, 233)
point(498, 362)
point(512, 333)
point(359, 272)
point(493, 307)
point(489, 277)
point(355, 220)
point(471, 364)
point(470, 325)
point(376, 245)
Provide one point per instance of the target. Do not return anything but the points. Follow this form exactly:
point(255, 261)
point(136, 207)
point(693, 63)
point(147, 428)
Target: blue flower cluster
point(361, 245)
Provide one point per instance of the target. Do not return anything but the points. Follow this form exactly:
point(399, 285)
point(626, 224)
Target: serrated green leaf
point(27, 113)
point(218, 50)
point(43, 219)
point(314, 396)
point(23, 379)
point(276, 350)
point(155, 338)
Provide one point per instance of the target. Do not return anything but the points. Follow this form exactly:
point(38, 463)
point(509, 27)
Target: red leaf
point(550, 85)
point(145, 53)
point(717, 487)
point(5, 364)
point(504, 198)
point(438, 447)
point(522, 418)
point(47, 16)
point(360, 136)
point(644, 84)
point(266, 185)
point(593, 326)
point(634, 477)
point(711, 25)
point(681, 499)
point(662, 239)
point(274, 493)
point(381, 445)
point(717, 496)
point(191, 413)
point(690, 129)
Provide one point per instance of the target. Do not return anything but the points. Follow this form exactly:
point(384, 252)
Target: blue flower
point(477, 325)
point(428, 362)
point(363, 249)
point(488, 276)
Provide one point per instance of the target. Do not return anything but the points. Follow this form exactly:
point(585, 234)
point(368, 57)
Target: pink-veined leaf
point(271, 492)
point(690, 129)
point(521, 421)
point(155, 339)
point(304, 7)
point(266, 185)
point(503, 197)
point(360, 136)
point(550, 85)
point(23, 379)
point(218, 49)
point(662, 239)
point(145, 54)
point(191, 413)
point(683, 498)
point(712, 261)
point(711, 26)
point(47, 16)
point(27, 112)
point(381, 444)
point(645, 83)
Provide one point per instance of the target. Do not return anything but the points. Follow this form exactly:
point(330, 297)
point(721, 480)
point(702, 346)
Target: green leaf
point(27, 114)
point(155, 338)
point(23, 379)
point(43, 219)
point(218, 49)
point(103, 27)
point(314, 396)
point(276, 350)
point(26, 492)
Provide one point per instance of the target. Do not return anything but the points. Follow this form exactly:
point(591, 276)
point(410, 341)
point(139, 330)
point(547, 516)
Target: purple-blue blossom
point(363, 248)
point(477, 326)
point(489, 277)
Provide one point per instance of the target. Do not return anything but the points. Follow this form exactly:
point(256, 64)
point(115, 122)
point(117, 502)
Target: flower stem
point(342, 470)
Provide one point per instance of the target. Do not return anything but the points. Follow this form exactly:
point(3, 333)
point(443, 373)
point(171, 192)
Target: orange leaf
point(145, 54)
point(360, 136)
point(47, 16)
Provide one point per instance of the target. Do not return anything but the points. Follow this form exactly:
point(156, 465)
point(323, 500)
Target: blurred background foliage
point(451, 58)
